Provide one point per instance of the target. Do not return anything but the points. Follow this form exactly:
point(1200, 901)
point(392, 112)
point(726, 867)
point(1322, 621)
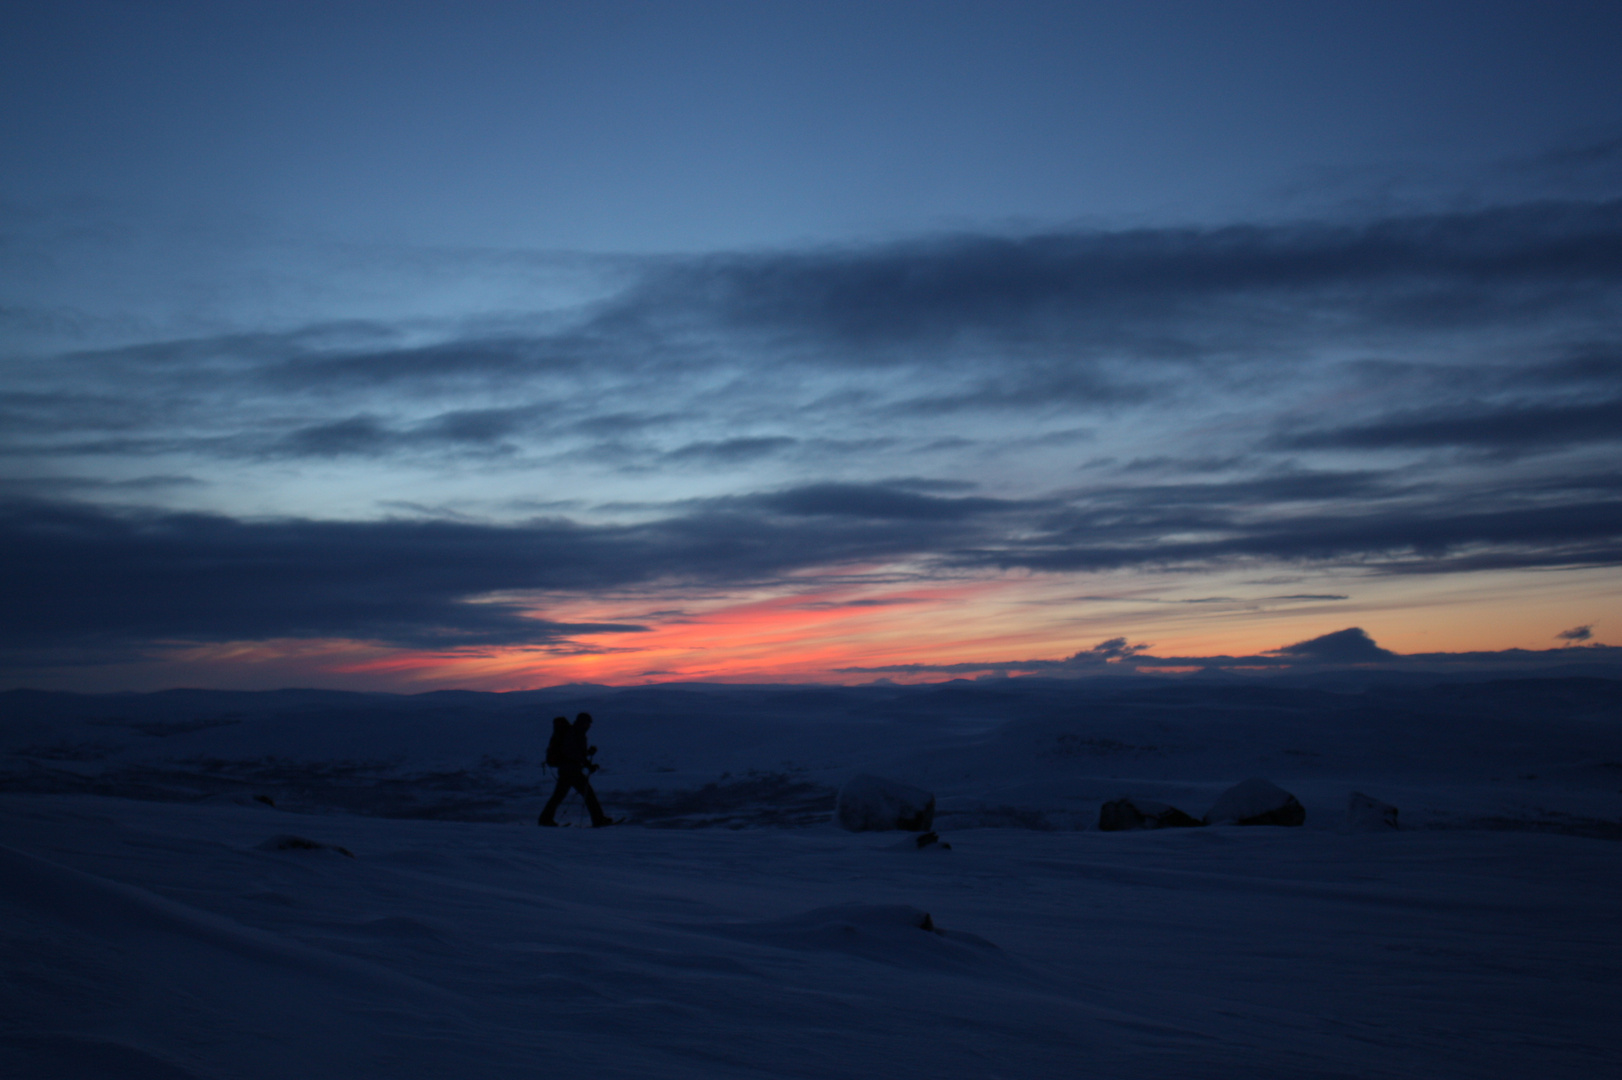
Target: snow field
point(158, 922)
point(161, 937)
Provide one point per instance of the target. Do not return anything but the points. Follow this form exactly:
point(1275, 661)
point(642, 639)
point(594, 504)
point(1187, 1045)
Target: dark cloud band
point(75, 573)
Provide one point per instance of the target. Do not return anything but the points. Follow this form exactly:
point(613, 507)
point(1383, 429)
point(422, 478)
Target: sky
point(406, 346)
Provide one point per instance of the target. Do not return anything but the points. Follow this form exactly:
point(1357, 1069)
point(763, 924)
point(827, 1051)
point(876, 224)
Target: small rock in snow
point(289, 842)
point(929, 841)
point(1365, 813)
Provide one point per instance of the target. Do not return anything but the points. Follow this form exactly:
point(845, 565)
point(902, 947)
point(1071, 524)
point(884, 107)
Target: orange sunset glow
point(816, 633)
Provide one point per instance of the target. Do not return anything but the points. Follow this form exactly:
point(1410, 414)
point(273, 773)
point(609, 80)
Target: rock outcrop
point(1123, 814)
point(871, 803)
point(1256, 802)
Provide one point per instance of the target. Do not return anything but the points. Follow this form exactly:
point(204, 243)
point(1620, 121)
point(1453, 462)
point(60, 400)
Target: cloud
point(1294, 486)
point(1421, 269)
point(1594, 164)
point(45, 487)
point(86, 575)
point(1439, 535)
point(1576, 634)
point(1583, 369)
point(928, 484)
point(1100, 658)
point(1117, 649)
point(1502, 428)
point(731, 451)
point(1029, 391)
point(842, 605)
point(478, 426)
point(356, 435)
point(1292, 598)
point(1250, 372)
point(52, 411)
point(1350, 646)
point(1086, 320)
point(96, 578)
point(469, 361)
point(82, 572)
point(483, 430)
point(875, 501)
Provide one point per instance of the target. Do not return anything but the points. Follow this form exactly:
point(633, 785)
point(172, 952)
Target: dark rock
point(1365, 813)
point(289, 842)
point(1124, 814)
point(1256, 802)
point(872, 803)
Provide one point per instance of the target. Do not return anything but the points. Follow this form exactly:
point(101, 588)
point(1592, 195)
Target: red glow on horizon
point(803, 637)
point(815, 632)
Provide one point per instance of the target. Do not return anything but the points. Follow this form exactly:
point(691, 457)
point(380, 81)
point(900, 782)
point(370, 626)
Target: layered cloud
point(1417, 395)
point(1500, 315)
point(79, 574)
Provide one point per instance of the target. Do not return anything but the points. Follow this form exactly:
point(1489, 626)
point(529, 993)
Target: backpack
point(556, 752)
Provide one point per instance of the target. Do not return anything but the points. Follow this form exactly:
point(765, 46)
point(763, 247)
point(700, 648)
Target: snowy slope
point(161, 936)
point(470, 950)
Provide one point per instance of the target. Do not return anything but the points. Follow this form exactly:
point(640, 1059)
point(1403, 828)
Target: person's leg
point(558, 793)
point(593, 807)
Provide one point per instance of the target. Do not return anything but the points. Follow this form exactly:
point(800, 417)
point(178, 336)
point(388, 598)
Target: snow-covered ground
point(155, 920)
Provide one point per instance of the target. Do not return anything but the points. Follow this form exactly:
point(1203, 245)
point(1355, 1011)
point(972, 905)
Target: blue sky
point(498, 344)
point(652, 128)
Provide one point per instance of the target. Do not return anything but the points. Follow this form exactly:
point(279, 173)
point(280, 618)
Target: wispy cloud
point(1507, 427)
point(1410, 395)
point(1047, 325)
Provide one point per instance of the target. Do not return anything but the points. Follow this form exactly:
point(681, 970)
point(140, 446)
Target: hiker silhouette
point(569, 752)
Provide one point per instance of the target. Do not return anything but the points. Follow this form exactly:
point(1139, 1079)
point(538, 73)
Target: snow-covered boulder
point(1123, 814)
point(1365, 813)
point(1256, 802)
point(872, 803)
